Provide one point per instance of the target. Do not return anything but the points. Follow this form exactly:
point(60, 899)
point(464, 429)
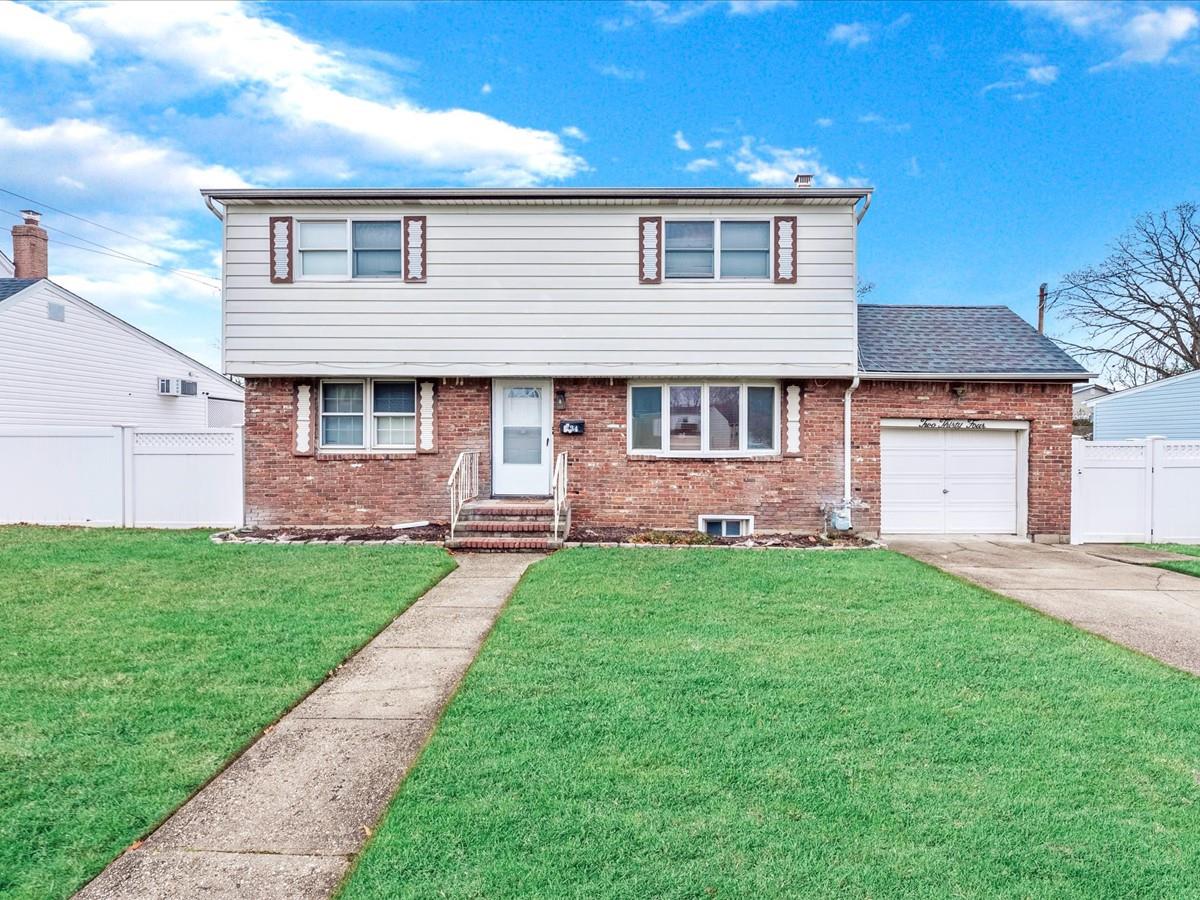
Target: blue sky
point(1008, 142)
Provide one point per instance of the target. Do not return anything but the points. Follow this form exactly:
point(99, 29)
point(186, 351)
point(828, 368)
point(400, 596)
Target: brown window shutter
point(784, 229)
point(280, 242)
point(650, 249)
point(414, 249)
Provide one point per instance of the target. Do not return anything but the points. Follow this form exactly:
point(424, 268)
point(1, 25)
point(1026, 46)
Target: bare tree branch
point(1137, 314)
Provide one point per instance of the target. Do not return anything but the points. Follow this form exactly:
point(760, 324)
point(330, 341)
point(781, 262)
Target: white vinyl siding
point(542, 291)
point(90, 370)
point(703, 419)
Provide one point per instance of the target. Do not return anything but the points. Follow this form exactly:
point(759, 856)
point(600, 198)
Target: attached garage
point(953, 477)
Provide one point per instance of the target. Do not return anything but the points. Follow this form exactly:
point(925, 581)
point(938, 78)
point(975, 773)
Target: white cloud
point(304, 86)
point(681, 142)
point(669, 15)
point(700, 165)
point(824, 122)
point(767, 165)
point(913, 168)
point(1042, 74)
point(714, 144)
point(27, 32)
point(1146, 34)
point(621, 73)
point(100, 159)
point(755, 7)
point(486, 88)
point(1150, 36)
point(882, 122)
point(1025, 70)
point(575, 133)
point(852, 34)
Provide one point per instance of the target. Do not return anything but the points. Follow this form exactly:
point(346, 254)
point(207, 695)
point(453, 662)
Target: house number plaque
point(571, 426)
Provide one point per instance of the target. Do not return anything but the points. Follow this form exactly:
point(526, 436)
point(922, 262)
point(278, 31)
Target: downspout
point(208, 201)
point(847, 453)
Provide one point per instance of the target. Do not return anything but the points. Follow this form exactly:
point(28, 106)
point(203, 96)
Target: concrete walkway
point(1148, 609)
point(286, 819)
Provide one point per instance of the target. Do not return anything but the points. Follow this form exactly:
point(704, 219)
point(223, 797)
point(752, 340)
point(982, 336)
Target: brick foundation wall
point(610, 487)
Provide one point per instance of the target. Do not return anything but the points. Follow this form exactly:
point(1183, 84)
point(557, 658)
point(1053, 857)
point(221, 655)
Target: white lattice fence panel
point(1135, 491)
point(1176, 514)
point(185, 479)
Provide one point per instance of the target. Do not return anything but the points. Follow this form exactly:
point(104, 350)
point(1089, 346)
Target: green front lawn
point(1186, 566)
point(663, 723)
point(133, 664)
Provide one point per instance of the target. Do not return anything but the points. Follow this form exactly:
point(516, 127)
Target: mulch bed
point(613, 535)
point(598, 535)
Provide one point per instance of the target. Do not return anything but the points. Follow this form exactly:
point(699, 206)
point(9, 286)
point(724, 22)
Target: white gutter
point(847, 449)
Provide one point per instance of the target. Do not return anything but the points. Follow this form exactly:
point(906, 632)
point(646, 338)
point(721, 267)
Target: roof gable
point(11, 287)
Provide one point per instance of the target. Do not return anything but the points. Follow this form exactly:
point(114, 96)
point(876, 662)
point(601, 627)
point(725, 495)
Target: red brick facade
point(608, 486)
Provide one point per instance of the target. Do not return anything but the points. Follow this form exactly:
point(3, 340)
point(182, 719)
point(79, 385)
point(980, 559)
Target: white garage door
point(943, 481)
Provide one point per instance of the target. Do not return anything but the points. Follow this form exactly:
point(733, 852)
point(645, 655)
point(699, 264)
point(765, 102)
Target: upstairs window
point(377, 249)
point(333, 249)
point(703, 419)
point(729, 250)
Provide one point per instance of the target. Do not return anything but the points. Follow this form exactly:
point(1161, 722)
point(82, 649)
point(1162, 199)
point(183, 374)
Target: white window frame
point(375, 416)
point(704, 384)
point(369, 444)
point(349, 275)
point(716, 275)
point(747, 523)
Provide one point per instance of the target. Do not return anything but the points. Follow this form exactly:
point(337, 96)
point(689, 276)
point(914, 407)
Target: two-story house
point(698, 355)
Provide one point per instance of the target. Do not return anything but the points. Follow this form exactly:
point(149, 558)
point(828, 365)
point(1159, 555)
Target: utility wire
point(4, 190)
point(105, 250)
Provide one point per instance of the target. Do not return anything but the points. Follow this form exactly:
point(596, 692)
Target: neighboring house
point(65, 361)
point(6, 266)
point(1082, 396)
point(697, 353)
point(1169, 408)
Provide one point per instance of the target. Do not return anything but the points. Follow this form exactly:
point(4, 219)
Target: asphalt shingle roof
point(10, 286)
point(978, 340)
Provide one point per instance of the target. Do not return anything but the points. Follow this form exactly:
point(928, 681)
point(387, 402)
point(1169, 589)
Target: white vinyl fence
point(1135, 491)
point(121, 476)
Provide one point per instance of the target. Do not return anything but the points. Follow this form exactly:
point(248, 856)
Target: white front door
point(945, 481)
point(521, 437)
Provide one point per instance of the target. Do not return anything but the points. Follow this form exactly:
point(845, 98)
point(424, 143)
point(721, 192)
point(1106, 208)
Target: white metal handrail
point(463, 484)
point(558, 482)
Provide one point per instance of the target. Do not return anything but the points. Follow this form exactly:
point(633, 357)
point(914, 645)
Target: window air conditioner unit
point(176, 387)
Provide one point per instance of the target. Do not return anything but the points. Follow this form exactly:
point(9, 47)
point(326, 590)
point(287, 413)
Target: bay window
point(703, 419)
point(368, 414)
point(728, 249)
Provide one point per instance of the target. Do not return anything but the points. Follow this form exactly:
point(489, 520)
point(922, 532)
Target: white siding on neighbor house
point(542, 291)
point(91, 370)
point(1170, 408)
point(6, 267)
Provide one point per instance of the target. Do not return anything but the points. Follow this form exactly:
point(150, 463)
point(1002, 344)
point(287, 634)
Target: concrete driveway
point(1148, 609)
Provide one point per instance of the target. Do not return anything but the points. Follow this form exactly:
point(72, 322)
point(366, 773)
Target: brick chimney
point(30, 255)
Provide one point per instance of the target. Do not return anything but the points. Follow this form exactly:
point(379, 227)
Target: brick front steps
point(506, 525)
